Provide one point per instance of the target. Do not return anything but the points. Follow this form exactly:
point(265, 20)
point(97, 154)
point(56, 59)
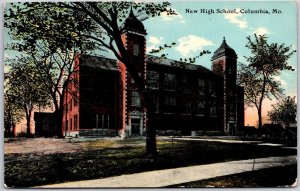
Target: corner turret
point(224, 50)
point(133, 24)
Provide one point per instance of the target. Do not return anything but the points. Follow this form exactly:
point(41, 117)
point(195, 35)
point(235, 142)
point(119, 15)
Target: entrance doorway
point(135, 126)
point(232, 130)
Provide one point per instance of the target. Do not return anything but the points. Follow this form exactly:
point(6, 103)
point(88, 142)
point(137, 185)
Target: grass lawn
point(104, 158)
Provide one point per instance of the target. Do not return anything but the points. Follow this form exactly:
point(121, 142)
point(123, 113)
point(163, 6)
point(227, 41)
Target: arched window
point(200, 108)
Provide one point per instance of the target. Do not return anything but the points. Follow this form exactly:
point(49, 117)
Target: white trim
point(136, 33)
point(135, 115)
point(141, 126)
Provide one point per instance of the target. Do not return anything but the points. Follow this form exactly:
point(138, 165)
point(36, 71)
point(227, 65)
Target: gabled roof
point(177, 64)
point(111, 64)
point(98, 62)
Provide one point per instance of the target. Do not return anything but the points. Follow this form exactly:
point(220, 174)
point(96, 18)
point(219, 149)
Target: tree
point(284, 112)
point(108, 21)
point(51, 45)
point(266, 62)
point(12, 114)
point(25, 89)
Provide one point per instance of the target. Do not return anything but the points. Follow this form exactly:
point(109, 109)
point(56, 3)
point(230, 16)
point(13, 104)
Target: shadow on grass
point(272, 177)
point(26, 170)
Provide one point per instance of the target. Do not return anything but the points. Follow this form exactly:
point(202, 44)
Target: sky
point(194, 32)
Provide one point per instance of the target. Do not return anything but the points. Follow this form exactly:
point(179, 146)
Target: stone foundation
point(98, 133)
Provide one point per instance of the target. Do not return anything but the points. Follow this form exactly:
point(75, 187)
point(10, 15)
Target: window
point(70, 123)
point(212, 88)
point(136, 50)
point(201, 85)
point(170, 81)
point(200, 108)
point(170, 100)
point(213, 111)
point(102, 121)
point(187, 106)
point(213, 107)
point(135, 99)
point(75, 121)
point(66, 125)
point(152, 79)
point(156, 102)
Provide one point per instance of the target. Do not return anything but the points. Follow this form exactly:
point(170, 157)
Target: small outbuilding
point(44, 124)
point(272, 130)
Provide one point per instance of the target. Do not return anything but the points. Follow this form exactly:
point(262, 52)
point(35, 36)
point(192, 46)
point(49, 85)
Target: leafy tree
point(24, 90)
point(12, 114)
point(105, 26)
point(267, 61)
point(51, 44)
point(186, 60)
point(284, 112)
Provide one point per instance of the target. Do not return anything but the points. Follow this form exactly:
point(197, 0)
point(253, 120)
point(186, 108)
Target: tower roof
point(224, 50)
point(134, 24)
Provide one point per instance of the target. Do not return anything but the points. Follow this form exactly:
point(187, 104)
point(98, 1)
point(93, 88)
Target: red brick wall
point(71, 101)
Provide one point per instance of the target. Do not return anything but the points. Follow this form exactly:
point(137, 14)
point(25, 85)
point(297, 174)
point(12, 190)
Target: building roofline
point(151, 59)
point(176, 64)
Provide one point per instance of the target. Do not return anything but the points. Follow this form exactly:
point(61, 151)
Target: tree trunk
point(260, 106)
point(151, 130)
point(58, 123)
point(13, 131)
point(58, 114)
point(28, 117)
point(259, 120)
point(151, 137)
point(8, 123)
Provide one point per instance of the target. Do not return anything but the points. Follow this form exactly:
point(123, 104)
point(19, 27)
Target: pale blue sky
point(195, 31)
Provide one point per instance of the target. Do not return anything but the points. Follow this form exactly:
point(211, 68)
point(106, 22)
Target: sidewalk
point(161, 178)
point(216, 139)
